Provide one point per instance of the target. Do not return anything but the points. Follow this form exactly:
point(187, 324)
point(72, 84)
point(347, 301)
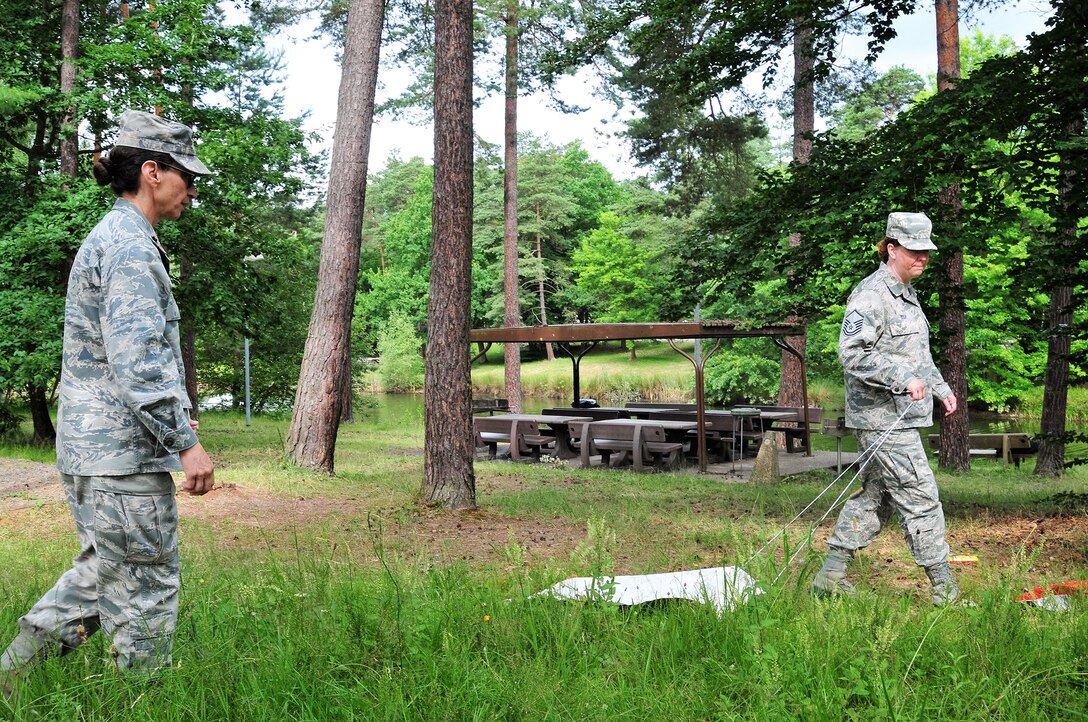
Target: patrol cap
point(911, 230)
point(150, 132)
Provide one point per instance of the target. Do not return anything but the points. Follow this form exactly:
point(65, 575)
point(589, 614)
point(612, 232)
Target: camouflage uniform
point(884, 344)
point(121, 421)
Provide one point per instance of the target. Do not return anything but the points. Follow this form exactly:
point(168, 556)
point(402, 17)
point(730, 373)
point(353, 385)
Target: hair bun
point(103, 171)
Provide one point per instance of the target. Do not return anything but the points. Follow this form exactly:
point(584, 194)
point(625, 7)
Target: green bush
point(746, 371)
point(401, 366)
point(9, 420)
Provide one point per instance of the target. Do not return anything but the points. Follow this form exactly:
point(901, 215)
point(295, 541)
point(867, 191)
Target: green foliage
point(9, 418)
point(617, 276)
point(1006, 165)
point(743, 371)
point(35, 249)
point(401, 365)
point(183, 56)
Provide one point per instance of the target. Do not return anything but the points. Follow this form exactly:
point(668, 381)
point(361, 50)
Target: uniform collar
point(131, 210)
point(897, 287)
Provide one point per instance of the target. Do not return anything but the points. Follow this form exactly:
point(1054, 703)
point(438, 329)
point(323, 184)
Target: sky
point(312, 76)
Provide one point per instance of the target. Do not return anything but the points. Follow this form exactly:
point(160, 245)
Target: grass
point(608, 375)
point(369, 612)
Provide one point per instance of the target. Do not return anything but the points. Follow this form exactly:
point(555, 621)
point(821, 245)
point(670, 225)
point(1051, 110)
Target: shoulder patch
point(853, 323)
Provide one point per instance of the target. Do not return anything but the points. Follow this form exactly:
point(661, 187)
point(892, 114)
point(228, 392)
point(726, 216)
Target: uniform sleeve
point(936, 383)
point(137, 306)
point(862, 326)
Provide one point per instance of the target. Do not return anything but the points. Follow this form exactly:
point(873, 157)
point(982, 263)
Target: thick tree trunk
point(790, 383)
point(448, 478)
point(315, 418)
point(955, 429)
point(1051, 458)
point(44, 433)
point(69, 49)
point(511, 282)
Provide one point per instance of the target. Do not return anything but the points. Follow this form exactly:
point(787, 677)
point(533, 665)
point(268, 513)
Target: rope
point(862, 461)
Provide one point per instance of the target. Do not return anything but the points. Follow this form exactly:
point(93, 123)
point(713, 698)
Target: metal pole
point(247, 380)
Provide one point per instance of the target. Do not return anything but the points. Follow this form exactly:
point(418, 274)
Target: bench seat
point(1010, 447)
point(641, 440)
point(524, 437)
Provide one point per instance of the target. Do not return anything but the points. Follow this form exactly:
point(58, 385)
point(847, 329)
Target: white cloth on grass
point(723, 587)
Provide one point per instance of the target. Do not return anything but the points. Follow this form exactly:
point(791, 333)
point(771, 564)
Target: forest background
point(708, 224)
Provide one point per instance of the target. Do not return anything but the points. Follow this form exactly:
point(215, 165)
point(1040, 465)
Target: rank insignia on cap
point(852, 323)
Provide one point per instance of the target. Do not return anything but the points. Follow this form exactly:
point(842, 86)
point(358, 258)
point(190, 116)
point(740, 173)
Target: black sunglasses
point(188, 177)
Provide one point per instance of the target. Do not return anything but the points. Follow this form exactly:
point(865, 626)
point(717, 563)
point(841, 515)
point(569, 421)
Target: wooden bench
point(641, 440)
point(479, 406)
point(719, 430)
point(1007, 447)
point(794, 428)
point(524, 437)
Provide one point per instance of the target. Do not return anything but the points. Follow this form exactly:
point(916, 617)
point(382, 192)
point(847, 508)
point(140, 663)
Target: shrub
point(746, 371)
point(9, 420)
point(401, 366)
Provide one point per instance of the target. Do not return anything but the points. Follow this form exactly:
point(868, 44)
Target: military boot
point(945, 590)
point(831, 579)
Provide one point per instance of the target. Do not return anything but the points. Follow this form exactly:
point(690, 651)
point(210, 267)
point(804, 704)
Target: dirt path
point(31, 501)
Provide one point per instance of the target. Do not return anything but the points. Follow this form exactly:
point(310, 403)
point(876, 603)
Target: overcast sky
point(312, 78)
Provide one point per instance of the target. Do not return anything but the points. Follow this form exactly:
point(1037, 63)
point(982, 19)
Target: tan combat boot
point(945, 590)
point(831, 579)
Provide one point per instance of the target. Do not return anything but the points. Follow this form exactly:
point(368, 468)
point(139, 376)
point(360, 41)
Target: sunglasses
point(189, 178)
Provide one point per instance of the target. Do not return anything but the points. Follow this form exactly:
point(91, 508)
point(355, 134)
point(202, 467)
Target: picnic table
point(559, 426)
point(649, 439)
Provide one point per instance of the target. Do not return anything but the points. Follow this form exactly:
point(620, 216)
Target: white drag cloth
point(723, 587)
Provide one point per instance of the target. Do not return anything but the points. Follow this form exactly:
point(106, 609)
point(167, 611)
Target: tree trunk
point(448, 478)
point(44, 433)
point(69, 50)
point(1051, 458)
point(790, 383)
point(315, 418)
point(511, 283)
point(540, 286)
point(955, 429)
point(347, 393)
point(188, 343)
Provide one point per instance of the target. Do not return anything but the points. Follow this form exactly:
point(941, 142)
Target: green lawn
point(310, 597)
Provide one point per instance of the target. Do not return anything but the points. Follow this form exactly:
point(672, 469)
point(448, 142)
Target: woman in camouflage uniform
point(123, 417)
point(891, 382)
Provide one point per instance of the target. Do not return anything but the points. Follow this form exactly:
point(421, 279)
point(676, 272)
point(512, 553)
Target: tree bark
point(511, 316)
point(1051, 457)
point(188, 343)
point(315, 418)
point(790, 383)
point(347, 393)
point(448, 478)
point(44, 432)
point(955, 429)
point(69, 50)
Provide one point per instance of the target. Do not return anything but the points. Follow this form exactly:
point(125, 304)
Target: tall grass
point(345, 617)
point(312, 638)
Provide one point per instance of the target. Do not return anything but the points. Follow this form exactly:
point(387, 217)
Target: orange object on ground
point(1054, 589)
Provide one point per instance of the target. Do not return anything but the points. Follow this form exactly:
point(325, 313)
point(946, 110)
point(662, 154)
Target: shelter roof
point(633, 331)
